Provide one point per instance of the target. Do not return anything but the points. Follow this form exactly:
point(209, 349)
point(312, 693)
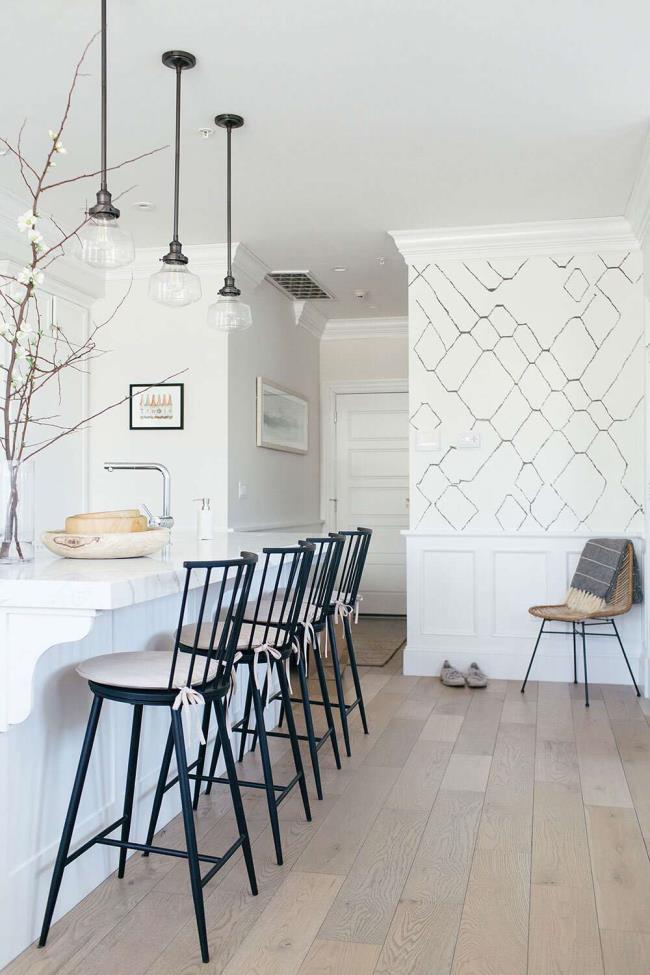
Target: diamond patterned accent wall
point(543, 358)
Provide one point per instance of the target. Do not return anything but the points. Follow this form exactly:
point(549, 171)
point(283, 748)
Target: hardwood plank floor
point(471, 833)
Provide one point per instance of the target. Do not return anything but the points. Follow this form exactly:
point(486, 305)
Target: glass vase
point(16, 511)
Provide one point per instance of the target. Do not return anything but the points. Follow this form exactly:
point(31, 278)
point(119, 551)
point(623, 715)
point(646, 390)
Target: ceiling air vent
point(299, 285)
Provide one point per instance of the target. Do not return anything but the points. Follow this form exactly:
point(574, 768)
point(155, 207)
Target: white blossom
point(54, 136)
point(35, 237)
point(27, 220)
point(32, 276)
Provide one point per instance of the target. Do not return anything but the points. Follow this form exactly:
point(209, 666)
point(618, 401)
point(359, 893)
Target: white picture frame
point(282, 418)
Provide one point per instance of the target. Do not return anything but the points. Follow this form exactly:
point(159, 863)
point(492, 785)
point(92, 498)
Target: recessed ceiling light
point(3, 152)
point(381, 261)
point(205, 132)
point(339, 268)
point(143, 205)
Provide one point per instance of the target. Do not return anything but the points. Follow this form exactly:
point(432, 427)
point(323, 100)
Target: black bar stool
point(268, 631)
point(312, 623)
point(345, 603)
point(180, 682)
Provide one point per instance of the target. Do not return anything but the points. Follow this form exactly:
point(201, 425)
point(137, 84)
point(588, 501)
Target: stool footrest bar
point(98, 838)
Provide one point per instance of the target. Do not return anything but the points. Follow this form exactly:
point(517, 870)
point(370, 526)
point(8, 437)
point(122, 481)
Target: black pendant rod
point(104, 99)
point(229, 197)
point(228, 121)
point(177, 150)
point(179, 61)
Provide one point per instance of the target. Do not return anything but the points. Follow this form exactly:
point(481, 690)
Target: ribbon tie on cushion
point(272, 653)
point(341, 609)
point(308, 636)
point(188, 701)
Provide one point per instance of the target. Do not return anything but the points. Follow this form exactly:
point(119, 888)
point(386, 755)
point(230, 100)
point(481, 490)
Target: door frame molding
point(329, 393)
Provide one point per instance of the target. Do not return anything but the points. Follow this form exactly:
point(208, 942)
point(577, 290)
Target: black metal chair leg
point(247, 718)
point(539, 636)
point(235, 792)
point(620, 643)
point(293, 735)
point(339, 685)
point(266, 767)
point(322, 680)
point(309, 727)
point(130, 784)
point(355, 672)
point(216, 751)
point(160, 790)
point(575, 665)
point(584, 659)
point(265, 697)
point(71, 815)
point(190, 833)
point(205, 728)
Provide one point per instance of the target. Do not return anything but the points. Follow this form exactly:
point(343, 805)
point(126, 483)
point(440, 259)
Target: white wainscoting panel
point(468, 599)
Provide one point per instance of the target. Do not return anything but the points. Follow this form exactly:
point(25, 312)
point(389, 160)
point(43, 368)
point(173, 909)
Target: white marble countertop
point(52, 582)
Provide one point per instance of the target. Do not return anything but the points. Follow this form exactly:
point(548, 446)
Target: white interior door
point(372, 489)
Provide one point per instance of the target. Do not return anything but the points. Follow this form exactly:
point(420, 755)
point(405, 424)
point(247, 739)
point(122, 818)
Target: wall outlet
point(242, 490)
point(469, 441)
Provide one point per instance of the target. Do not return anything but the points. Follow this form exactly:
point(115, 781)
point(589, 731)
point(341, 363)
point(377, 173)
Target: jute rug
point(376, 639)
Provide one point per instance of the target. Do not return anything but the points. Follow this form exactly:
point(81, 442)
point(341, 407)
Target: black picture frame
point(157, 420)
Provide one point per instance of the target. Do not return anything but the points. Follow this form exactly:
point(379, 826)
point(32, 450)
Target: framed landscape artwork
point(282, 418)
point(156, 407)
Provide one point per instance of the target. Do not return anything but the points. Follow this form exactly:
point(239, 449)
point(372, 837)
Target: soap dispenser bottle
point(204, 520)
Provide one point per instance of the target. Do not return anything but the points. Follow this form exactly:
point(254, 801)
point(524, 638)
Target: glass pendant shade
point(229, 314)
point(104, 243)
point(174, 285)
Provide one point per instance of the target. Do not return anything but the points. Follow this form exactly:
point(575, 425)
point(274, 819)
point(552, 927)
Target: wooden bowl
point(105, 522)
point(114, 545)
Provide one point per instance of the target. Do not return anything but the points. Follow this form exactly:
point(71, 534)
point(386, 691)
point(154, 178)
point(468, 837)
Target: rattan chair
point(621, 602)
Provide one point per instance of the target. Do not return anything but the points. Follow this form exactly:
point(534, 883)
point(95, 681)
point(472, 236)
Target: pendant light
point(174, 284)
point(228, 313)
point(103, 242)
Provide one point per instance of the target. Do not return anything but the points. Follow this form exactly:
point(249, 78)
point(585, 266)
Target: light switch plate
point(243, 490)
point(427, 440)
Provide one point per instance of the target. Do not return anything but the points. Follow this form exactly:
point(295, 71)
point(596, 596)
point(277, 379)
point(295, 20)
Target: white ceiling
point(362, 116)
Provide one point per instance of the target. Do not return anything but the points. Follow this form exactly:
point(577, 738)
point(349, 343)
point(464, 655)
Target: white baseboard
point(550, 666)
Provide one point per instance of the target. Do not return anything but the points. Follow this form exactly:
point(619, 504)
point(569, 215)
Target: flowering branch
point(37, 350)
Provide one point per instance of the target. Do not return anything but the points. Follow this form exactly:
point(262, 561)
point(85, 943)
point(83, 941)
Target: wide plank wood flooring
point(471, 833)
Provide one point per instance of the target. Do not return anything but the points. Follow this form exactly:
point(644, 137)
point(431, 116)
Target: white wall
point(543, 358)
point(217, 447)
point(283, 488)
point(368, 358)
point(148, 343)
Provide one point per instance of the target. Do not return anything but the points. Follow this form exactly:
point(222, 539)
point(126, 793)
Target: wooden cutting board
point(106, 522)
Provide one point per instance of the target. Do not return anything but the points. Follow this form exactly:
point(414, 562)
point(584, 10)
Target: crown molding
point(546, 238)
point(365, 328)
point(637, 210)
point(309, 318)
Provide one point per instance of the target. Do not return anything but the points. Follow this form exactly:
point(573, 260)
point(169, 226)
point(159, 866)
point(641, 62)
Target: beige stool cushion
point(188, 635)
point(144, 669)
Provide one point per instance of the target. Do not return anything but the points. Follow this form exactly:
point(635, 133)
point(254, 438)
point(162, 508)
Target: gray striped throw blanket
point(597, 572)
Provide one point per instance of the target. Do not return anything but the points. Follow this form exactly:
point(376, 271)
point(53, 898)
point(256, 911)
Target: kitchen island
point(53, 613)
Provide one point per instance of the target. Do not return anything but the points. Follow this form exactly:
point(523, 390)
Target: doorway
point(366, 482)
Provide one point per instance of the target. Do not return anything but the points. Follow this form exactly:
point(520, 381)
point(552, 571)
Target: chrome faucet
point(165, 520)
